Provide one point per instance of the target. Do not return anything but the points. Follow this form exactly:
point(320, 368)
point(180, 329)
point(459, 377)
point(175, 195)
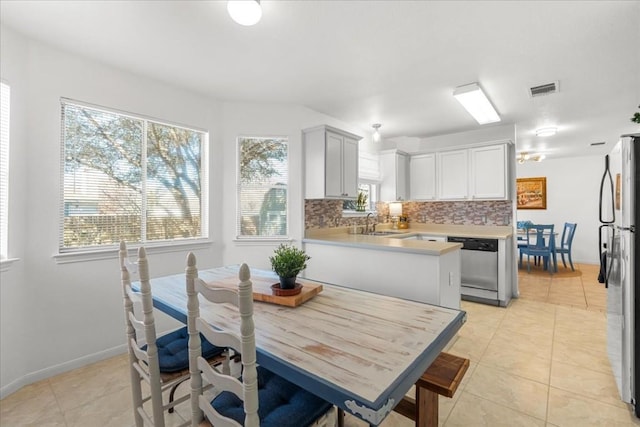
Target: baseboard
point(51, 371)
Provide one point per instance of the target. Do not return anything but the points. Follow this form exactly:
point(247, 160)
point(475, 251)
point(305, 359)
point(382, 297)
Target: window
point(129, 178)
point(262, 187)
point(369, 189)
point(5, 102)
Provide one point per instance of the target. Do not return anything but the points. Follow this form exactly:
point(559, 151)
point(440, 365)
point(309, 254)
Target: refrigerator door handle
point(607, 174)
point(608, 261)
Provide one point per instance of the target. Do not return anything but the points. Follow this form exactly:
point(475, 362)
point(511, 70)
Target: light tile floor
point(539, 362)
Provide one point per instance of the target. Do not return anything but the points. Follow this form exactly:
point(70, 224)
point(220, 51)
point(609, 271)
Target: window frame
point(239, 238)
point(97, 252)
point(5, 148)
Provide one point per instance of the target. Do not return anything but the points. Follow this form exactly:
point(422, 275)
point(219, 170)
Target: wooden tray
point(262, 290)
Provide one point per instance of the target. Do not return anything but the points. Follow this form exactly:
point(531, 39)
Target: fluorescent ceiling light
point(245, 12)
point(549, 131)
point(476, 103)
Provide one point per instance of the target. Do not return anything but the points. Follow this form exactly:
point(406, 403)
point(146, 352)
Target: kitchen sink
point(421, 236)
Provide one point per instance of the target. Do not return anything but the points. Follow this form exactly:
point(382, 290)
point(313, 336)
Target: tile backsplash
point(325, 213)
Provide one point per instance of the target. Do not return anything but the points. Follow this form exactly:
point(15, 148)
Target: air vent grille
point(544, 89)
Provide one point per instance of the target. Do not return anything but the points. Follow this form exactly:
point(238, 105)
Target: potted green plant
point(287, 261)
point(361, 202)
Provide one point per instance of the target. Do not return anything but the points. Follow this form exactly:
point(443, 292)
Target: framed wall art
point(532, 193)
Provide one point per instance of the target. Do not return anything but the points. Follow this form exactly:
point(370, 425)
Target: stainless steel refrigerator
point(618, 214)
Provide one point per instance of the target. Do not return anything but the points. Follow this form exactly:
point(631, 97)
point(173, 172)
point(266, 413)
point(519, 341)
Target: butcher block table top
point(358, 350)
point(262, 289)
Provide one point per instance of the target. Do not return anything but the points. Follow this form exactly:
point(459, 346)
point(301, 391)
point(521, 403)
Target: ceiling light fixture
point(376, 132)
point(524, 156)
point(548, 131)
point(476, 103)
point(245, 12)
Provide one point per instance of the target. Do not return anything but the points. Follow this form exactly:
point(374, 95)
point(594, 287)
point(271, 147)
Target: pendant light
point(376, 132)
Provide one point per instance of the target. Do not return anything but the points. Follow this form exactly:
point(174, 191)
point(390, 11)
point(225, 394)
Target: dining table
point(360, 351)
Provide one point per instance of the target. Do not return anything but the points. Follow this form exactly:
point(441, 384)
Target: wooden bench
point(441, 378)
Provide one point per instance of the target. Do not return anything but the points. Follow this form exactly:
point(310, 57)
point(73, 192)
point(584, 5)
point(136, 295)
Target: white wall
point(59, 316)
point(13, 293)
point(56, 317)
point(573, 185)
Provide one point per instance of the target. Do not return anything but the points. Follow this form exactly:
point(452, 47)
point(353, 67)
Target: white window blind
point(5, 103)
point(262, 187)
point(129, 178)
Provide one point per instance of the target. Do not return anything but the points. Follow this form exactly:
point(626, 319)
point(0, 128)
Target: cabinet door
point(333, 165)
point(422, 181)
point(402, 177)
point(453, 175)
point(350, 168)
point(488, 172)
point(394, 170)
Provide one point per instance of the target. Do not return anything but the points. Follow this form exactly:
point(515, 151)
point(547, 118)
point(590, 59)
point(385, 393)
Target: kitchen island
point(421, 270)
point(417, 270)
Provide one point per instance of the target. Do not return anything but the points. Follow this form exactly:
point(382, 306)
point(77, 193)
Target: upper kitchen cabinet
point(488, 172)
point(453, 175)
point(422, 176)
point(480, 172)
point(394, 168)
point(331, 163)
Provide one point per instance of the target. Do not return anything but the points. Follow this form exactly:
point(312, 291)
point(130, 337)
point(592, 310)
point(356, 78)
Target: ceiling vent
point(545, 89)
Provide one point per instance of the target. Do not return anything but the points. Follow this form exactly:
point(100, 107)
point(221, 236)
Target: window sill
point(264, 241)
point(112, 251)
point(6, 264)
point(356, 214)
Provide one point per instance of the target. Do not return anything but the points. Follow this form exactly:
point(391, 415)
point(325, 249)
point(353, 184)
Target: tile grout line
point(553, 340)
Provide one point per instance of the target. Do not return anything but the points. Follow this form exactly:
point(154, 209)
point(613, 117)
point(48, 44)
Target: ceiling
point(390, 62)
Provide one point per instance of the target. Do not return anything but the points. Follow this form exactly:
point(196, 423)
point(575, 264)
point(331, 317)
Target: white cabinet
point(476, 173)
point(422, 177)
point(453, 175)
point(331, 163)
point(488, 178)
point(394, 168)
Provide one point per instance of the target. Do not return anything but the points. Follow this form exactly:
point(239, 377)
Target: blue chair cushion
point(280, 403)
point(173, 350)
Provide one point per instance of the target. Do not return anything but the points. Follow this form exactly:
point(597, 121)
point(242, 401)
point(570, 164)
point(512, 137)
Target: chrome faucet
point(366, 225)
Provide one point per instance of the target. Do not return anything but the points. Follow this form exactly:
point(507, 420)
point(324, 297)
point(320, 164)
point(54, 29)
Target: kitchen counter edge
point(384, 243)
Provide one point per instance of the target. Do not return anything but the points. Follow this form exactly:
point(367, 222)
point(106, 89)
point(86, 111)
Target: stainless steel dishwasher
point(479, 268)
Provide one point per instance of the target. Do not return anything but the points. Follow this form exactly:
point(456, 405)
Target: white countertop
point(341, 237)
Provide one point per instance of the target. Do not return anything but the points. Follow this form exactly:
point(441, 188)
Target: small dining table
point(358, 350)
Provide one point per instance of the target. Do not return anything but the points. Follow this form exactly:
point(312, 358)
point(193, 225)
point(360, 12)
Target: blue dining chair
point(540, 242)
point(521, 236)
point(566, 242)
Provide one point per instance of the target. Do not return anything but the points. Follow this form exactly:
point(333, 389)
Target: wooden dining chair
point(566, 242)
point(540, 242)
point(162, 362)
point(259, 397)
